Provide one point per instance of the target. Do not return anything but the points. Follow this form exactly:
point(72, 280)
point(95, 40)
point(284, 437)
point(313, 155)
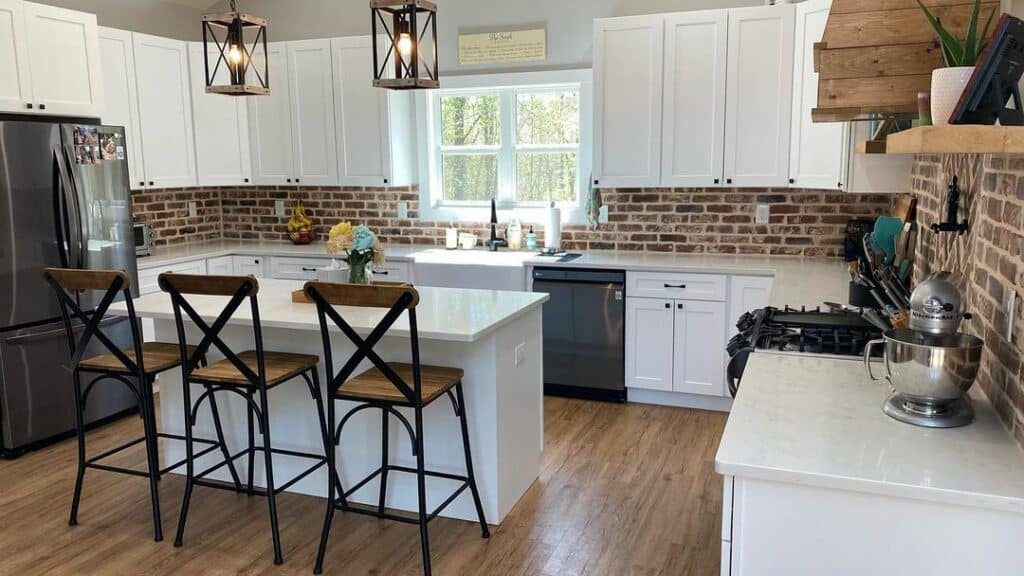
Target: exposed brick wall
point(168, 211)
point(989, 257)
point(803, 222)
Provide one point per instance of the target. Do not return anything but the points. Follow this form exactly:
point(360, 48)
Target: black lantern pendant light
point(408, 58)
point(239, 50)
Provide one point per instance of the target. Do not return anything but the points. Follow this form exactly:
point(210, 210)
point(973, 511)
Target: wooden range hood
point(876, 55)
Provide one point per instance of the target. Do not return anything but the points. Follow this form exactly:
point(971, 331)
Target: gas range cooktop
point(804, 331)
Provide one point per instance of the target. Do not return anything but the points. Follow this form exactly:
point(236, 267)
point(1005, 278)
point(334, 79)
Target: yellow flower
point(340, 238)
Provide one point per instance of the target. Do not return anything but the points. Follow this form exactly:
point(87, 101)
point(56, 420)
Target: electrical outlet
point(602, 215)
point(403, 210)
point(520, 353)
point(763, 213)
point(1011, 314)
point(279, 207)
point(193, 210)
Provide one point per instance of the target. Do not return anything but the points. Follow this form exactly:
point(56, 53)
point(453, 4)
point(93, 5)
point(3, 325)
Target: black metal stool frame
point(141, 388)
point(256, 412)
point(413, 399)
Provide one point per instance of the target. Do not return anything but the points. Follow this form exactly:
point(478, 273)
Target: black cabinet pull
point(596, 182)
point(308, 269)
point(675, 285)
point(680, 306)
point(151, 183)
point(381, 273)
point(668, 305)
point(792, 181)
point(289, 180)
point(728, 180)
point(29, 105)
point(142, 183)
point(42, 106)
point(717, 180)
point(246, 179)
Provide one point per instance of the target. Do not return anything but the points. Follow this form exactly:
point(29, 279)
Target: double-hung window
point(518, 138)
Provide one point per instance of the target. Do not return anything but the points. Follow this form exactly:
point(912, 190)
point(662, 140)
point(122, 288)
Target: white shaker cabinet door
point(627, 101)
point(120, 97)
point(64, 60)
point(818, 152)
point(746, 294)
point(221, 128)
point(165, 111)
point(248, 266)
point(759, 96)
point(270, 124)
point(699, 358)
point(362, 116)
point(694, 124)
point(649, 337)
point(15, 79)
point(312, 112)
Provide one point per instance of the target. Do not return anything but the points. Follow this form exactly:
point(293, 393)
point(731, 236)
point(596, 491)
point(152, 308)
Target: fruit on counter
point(300, 227)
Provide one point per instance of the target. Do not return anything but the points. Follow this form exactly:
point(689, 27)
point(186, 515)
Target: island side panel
point(294, 423)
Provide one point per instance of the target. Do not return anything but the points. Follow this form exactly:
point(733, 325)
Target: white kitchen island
point(495, 336)
point(819, 481)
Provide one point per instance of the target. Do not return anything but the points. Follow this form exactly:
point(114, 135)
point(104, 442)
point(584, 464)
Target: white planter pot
point(947, 86)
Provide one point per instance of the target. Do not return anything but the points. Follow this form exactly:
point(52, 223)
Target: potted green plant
point(959, 57)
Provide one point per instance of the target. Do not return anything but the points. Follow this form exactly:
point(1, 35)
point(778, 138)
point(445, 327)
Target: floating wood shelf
point(952, 139)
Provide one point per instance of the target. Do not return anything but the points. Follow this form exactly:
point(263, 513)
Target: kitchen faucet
point(495, 242)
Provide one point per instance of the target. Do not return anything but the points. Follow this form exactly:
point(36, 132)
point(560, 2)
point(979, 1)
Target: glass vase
point(358, 273)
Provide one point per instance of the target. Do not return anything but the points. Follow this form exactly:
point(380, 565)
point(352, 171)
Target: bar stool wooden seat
point(135, 367)
point(249, 374)
point(387, 386)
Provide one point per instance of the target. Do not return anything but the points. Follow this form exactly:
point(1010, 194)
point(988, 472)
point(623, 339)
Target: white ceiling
point(198, 4)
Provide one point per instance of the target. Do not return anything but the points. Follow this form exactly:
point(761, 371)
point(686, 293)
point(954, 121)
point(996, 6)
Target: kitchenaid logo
point(935, 306)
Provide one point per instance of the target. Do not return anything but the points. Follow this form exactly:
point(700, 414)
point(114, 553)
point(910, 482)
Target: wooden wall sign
point(876, 55)
point(498, 47)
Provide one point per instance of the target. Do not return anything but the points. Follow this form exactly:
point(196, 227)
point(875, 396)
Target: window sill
point(571, 213)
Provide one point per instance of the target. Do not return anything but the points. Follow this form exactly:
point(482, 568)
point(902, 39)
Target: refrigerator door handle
point(60, 215)
point(71, 202)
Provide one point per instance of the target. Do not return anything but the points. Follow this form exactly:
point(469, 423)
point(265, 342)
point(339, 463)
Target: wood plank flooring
point(624, 490)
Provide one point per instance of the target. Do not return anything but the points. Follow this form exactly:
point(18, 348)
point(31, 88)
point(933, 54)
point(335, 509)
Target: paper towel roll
point(553, 230)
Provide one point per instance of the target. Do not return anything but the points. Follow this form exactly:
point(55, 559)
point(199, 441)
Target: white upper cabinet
point(628, 61)
point(696, 44)
point(311, 89)
point(818, 151)
point(270, 124)
point(15, 80)
point(64, 60)
point(165, 111)
point(759, 96)
point(375, 145)
point(221, 128)
point(120, 103)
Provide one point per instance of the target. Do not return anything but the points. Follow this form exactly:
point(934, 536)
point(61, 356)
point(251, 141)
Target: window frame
point(433, 206)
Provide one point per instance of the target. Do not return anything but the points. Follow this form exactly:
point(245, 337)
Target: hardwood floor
point(623, 490)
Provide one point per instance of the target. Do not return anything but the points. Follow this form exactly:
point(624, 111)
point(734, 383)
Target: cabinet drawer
point(392, 272)
point(290, 268)
point(676, 286)
point(148, 278)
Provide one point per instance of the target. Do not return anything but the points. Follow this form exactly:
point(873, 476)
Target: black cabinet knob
point(668, 305)
point(792, 181)
point(42, 106)
point(597, 182)
point(289, 180)
point(297, 180)
point(680, 306)
point(151, 183)
point(246, 179)
point(29, 106)
point(839, 184)
point(717, 180)
point(385, 180)
point(142, 183)
point(728, 180)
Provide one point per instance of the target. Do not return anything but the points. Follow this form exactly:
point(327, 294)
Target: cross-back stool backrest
point(238, 289)
point(397, 298)
point(67, 284)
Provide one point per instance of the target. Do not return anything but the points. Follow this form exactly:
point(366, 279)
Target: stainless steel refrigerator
point(64, 201)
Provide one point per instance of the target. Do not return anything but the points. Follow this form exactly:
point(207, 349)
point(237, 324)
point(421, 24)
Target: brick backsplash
point(989, 257)
point(803, 222)
point(167, 209)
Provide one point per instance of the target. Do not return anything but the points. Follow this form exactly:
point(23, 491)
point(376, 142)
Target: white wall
point(568, 22)
point(149, 16)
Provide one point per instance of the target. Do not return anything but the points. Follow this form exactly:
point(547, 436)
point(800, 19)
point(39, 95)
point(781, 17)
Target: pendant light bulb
point(234, 55)
point(405, 45)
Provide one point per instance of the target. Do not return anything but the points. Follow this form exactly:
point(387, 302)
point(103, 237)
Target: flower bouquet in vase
point(358, 247)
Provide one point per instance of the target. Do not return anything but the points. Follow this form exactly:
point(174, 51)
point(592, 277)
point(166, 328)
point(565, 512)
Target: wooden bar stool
point(135, 368)
point(248, 374)
point(387, 386)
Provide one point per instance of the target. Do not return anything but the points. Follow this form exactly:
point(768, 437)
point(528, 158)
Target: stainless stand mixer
point(931, 365)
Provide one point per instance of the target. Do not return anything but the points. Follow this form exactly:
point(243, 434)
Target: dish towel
point(594, 204)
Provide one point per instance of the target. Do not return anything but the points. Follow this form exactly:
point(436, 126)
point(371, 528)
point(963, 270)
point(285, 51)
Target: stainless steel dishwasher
point(584, 332)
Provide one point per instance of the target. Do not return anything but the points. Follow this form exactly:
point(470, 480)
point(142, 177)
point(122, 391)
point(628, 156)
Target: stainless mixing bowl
point(927, 369)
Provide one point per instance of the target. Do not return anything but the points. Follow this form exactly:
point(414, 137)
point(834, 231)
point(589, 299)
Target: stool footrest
point(342, 502)
point(200, 478)
point(94, 461)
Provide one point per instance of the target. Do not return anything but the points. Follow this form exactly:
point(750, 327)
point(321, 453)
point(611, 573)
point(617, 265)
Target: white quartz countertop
point(447, 314)
point(819, 422)
point(797, 281)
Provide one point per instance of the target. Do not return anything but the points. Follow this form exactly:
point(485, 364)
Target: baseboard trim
point(679, 400)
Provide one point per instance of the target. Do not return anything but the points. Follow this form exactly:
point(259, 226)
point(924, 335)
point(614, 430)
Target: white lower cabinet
point(148, 277)
point(675, 345)
point(221, 266)
point(698, 358)
point(249, 266)
point(649, 343)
